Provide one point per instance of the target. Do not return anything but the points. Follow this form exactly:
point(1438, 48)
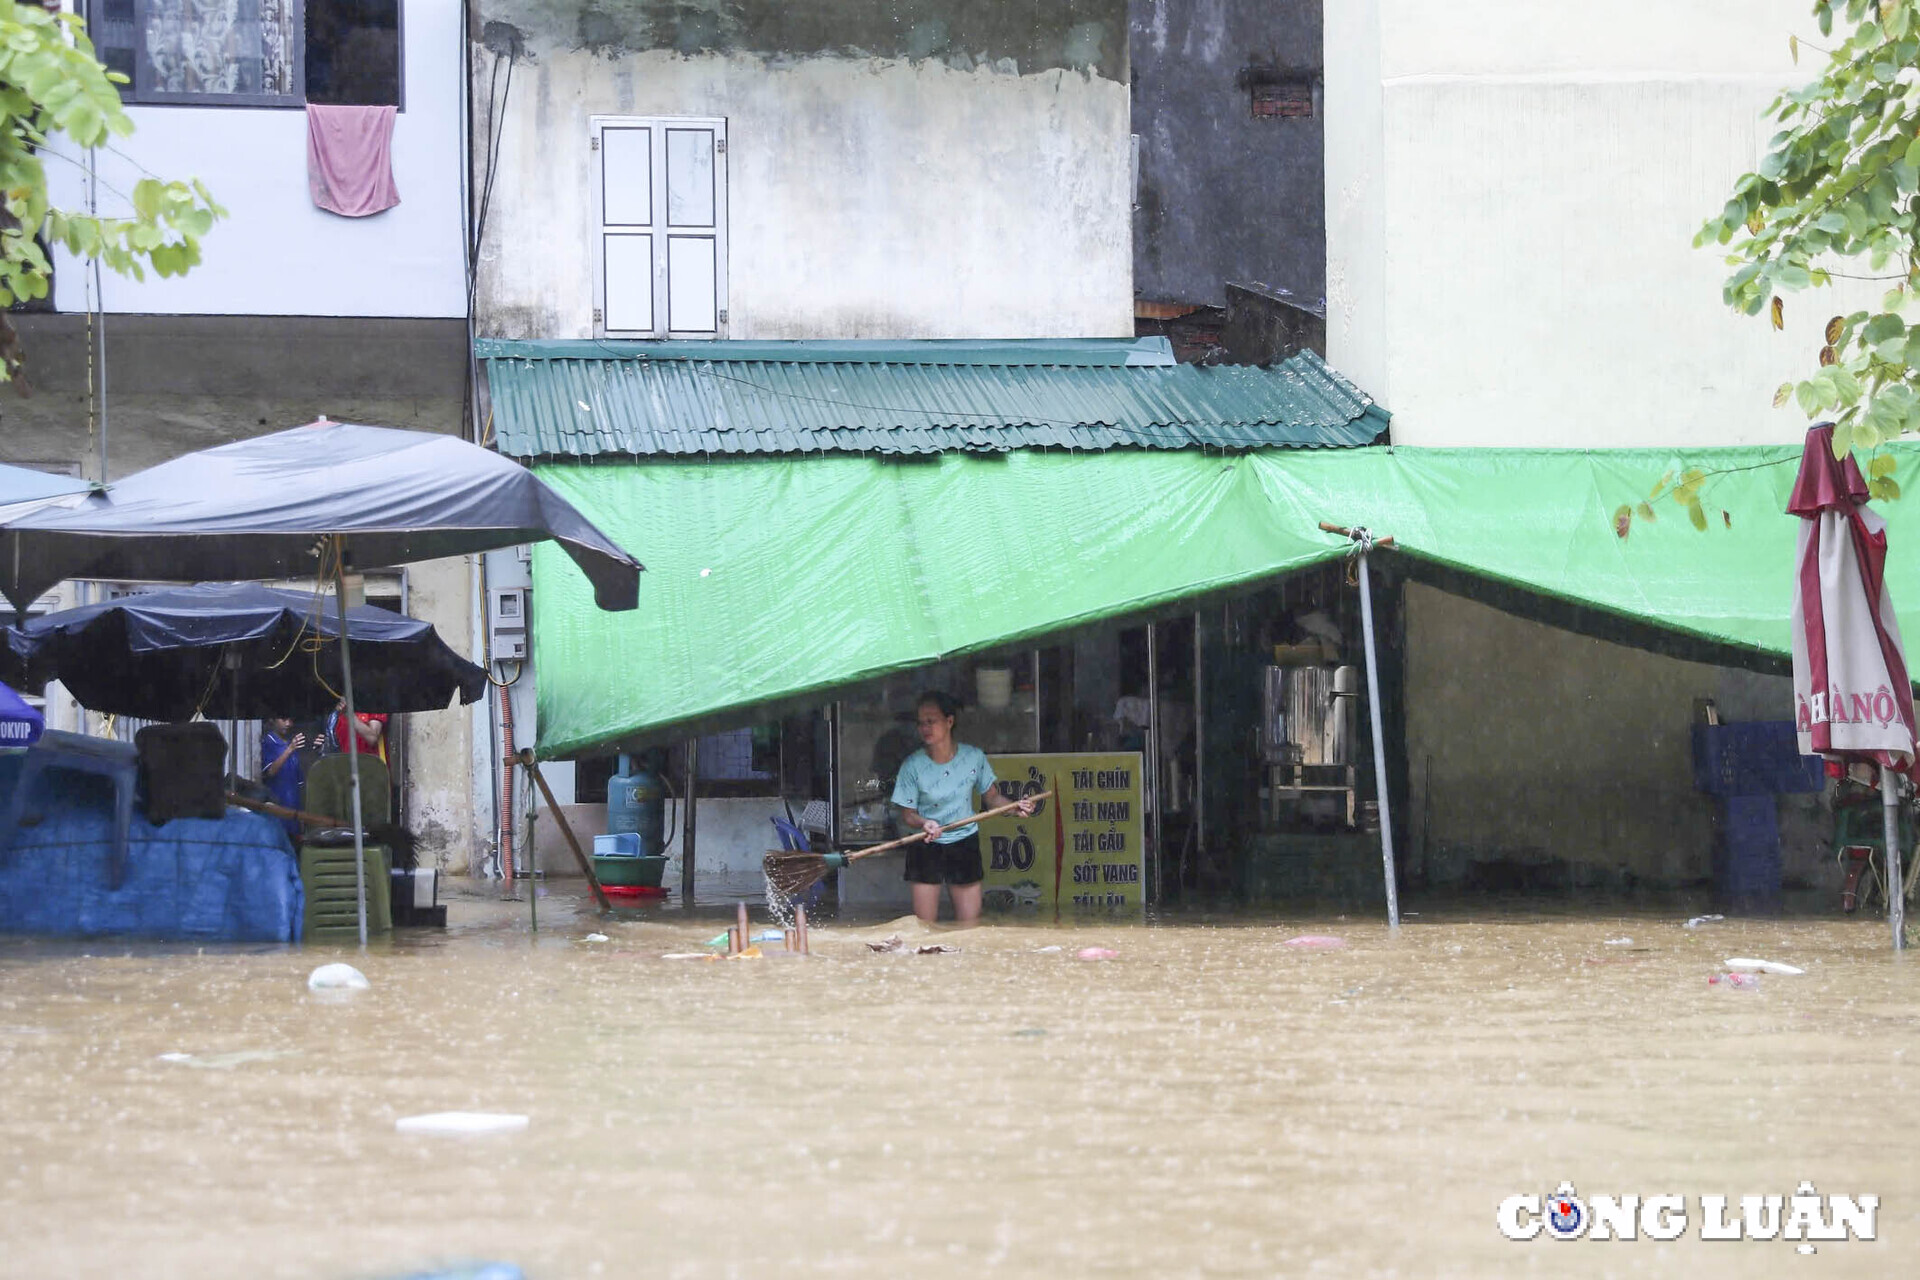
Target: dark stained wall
point(1020, 36)
point(1224, 195)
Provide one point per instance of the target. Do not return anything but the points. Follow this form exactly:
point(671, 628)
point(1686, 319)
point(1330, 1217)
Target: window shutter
point(695, 208)
point(624, 200)
point(660, 222)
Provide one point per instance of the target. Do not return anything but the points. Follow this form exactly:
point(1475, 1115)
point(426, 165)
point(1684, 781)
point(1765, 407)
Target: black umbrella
point(278, 506)
point(319, 500)
point(236, 649)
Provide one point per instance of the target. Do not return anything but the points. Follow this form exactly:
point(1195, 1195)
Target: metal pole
point(1037, 745)
point(687, 823)
point(232, 662)
point(1153, 758)
point(533, 856)
point(1896, 895)
point(353, 736)
point(1199, 748)
point(1379, 743)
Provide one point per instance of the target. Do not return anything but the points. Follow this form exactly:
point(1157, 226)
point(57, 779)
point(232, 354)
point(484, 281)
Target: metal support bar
point(353, 736)
point(687, 823)
point(1896, 888)
point(1199, 747)
point(1153, 761)
point(524, 758)
point(1379, 745)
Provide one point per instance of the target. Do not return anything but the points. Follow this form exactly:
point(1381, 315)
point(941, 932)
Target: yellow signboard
point(1083, 852)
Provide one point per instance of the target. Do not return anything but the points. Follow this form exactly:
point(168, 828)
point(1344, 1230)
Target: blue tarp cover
point(231, 879)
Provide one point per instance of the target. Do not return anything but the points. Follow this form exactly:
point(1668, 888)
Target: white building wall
point(1512, 194)
point(277, 254)
point(867, 197)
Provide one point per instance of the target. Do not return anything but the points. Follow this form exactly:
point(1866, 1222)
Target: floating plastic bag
point(1764, 966)
point(337, 977)
point(460, 1123)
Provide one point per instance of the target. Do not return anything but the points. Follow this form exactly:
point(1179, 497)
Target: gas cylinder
point(636, 802)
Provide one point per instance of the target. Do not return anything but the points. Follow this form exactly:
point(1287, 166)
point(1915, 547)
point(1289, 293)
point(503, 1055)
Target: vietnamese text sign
point(1083, 851)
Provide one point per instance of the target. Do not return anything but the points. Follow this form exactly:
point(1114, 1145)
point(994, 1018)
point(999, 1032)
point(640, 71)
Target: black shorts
point(956, 863)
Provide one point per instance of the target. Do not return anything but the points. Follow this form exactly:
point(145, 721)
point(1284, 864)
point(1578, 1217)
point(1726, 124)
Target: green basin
point(625, 870)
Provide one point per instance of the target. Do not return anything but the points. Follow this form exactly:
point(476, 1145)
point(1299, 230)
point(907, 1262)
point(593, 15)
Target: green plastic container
point(624, 869)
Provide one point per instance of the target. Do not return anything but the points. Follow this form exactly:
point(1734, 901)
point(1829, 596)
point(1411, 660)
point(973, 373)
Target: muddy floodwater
point(1210, 1101)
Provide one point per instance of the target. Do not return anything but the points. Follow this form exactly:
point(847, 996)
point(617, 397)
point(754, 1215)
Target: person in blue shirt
point(282, 769)
point(936, 786)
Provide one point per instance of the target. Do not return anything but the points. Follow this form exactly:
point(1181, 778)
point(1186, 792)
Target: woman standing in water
point(936, 786)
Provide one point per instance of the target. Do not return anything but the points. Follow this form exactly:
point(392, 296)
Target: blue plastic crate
point(1753, 758)
point(1747, 870)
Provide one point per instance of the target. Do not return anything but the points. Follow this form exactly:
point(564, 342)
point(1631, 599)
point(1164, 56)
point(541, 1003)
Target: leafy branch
point(51, 84)
point(1839, 181)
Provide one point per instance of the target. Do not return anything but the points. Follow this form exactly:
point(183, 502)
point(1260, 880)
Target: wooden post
point(800, 927)
point(525, 760)
point(741, 927)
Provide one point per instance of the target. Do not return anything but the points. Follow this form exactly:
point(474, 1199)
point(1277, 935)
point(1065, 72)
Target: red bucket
point(633, 892)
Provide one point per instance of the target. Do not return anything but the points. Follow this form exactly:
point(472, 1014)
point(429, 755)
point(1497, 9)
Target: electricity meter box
point(507, 623)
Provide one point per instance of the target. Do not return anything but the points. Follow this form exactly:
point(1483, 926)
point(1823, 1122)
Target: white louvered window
point(660, 204)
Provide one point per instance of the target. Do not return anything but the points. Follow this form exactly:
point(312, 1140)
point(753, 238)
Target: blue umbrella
point(20, 724)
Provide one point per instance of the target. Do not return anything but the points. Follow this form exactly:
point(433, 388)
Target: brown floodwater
point(1208, 1102)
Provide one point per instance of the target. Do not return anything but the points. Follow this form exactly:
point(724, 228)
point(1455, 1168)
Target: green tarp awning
point(771, 579)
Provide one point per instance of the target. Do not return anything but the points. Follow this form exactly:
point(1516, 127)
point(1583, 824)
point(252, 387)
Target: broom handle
point(961, 822)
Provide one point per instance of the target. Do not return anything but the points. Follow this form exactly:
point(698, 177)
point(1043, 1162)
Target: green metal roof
point(582, 399)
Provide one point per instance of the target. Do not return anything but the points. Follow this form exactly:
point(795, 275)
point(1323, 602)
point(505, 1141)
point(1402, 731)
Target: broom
point(792, 872)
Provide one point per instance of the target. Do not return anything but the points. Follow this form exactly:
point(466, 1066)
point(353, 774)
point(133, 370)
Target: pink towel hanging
point(350, 159)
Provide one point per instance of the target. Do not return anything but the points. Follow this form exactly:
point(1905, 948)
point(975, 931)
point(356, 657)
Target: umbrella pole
point(1896, 892)
point(1379, 743)
point(353, 740)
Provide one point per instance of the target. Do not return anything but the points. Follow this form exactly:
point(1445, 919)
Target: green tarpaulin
point(771, 579)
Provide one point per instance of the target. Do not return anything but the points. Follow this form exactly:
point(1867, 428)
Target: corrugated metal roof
point(559, 399)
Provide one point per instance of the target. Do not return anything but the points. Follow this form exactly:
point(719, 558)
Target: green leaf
point(1697, 515)
point(147, 195)
point(1883, 327)
point(1883, 464)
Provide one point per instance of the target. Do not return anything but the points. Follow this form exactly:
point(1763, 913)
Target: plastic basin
point(628, 870)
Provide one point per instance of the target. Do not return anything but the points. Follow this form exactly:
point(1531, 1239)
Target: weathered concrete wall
point(1512, 193)
point(881, 183)
point(1223, 195)
point(1037, 35)
point(180, 383)
point(1568, 756)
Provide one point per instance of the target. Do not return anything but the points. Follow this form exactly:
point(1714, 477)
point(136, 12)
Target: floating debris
point(1697, 921)
point(227, 1061)
point(1764, 966)
point(1096, 953)
point(337, 977)
point(1316, 942)
point(461, 1123)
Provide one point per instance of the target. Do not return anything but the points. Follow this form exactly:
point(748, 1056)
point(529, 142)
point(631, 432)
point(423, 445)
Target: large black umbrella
point(234, 649)
point(277, 506)
point(316, 501)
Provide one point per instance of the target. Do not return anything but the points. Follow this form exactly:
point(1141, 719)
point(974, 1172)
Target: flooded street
point(1208, 1102)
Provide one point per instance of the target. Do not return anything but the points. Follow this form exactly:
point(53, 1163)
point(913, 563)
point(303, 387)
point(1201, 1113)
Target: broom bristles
point(793, 872)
